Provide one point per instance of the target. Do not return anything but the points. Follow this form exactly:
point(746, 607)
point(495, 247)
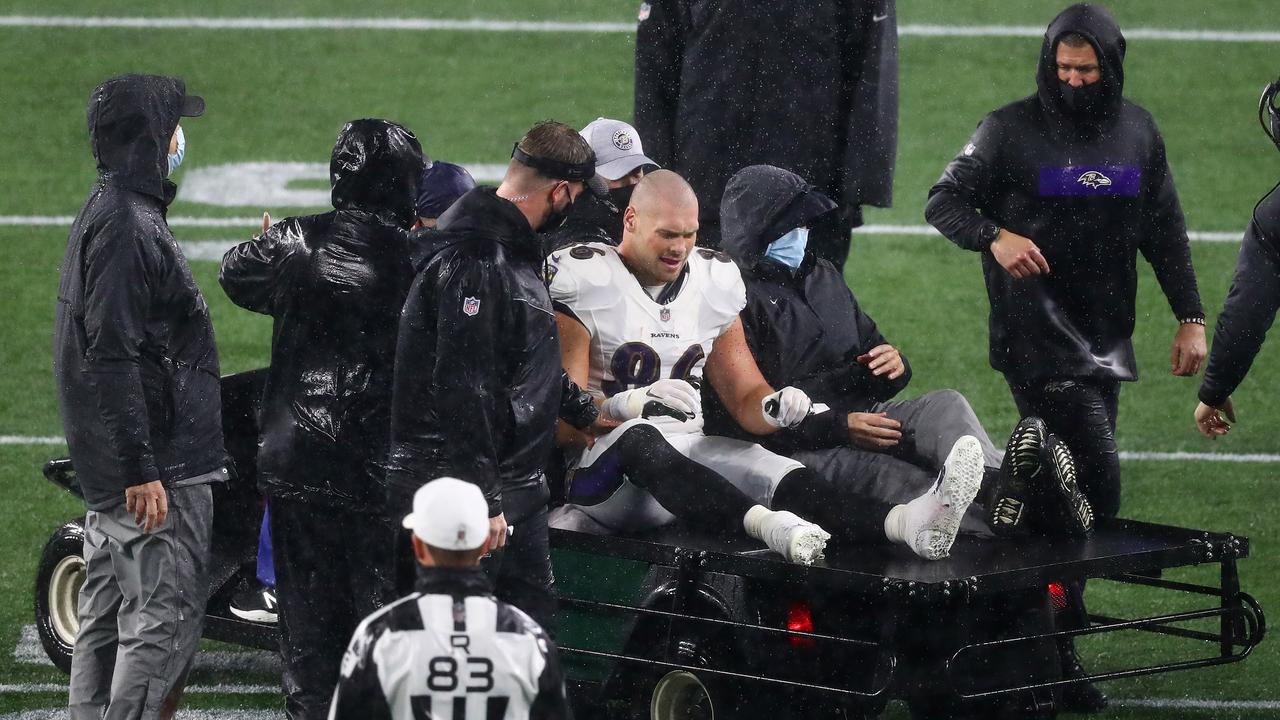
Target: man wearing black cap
point(137, 375)
point(441, 185)
point(478, 381)
point(333, 284)
point(1059, 192)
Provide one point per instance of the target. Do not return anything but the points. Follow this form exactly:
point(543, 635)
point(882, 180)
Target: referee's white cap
point(449, 513)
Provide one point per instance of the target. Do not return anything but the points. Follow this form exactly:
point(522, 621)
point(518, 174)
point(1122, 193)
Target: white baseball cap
point(450, 514)
point(617, 147)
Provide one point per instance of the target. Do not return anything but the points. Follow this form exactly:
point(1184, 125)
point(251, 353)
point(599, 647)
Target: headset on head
point(1269, 112)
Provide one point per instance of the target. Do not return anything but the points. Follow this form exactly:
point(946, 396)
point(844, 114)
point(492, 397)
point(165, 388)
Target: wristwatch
point(1191, 321)
point(989, 233)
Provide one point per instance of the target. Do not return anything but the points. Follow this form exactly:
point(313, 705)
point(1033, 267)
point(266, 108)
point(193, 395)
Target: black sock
point(843, 513)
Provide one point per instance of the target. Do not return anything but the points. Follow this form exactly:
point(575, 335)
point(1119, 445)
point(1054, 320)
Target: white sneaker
point(933, 519)
point(797, 540)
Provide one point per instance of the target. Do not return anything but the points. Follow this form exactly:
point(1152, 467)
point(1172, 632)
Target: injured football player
point(641, 325)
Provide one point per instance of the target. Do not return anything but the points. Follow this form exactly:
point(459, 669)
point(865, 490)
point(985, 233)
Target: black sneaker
point(1064, 509)
point(1006, 504)
point(255, 603)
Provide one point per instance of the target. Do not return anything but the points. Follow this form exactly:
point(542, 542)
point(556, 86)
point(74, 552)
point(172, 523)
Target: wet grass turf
point(283, 95)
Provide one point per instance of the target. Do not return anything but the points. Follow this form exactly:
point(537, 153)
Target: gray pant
point(931, 424)
point(141, 607)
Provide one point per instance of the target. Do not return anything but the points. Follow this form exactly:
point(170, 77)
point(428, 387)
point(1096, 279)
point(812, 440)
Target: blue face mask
point(789, 249)
point(175, 159)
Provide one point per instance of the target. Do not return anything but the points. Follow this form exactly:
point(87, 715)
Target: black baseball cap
point(192, 105)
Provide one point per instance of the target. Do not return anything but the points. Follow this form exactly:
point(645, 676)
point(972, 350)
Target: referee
point(451, 646)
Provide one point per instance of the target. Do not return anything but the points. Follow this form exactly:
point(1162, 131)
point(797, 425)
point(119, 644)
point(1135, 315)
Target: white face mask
point(175, 158)
point(789, 249)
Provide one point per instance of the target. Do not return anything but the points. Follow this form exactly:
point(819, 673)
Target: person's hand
point(1018, 255)
point(1210, 421)
point(266, 224)
point(874, 431)
point(1189, 350)
point(884, 360)
point(149, 504)
point(672, 398)
point(497, 532)
point(785, 408)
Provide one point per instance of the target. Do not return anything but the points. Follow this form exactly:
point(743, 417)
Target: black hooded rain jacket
point(334, 283)
point(133, 349)
point(1084, 175)
point(805, 328)
point(478, 383)
point(809, 86)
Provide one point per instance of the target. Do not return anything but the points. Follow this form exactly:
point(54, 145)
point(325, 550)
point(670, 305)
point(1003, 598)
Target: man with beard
point(478, 381)
point(1059, 192)
point(334, 284)
point(621, 163)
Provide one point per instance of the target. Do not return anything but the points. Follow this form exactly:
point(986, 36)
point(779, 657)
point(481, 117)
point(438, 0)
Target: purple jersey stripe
point(1090, 180)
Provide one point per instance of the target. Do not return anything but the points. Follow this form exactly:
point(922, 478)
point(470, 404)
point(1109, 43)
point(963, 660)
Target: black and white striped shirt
point(450, 651)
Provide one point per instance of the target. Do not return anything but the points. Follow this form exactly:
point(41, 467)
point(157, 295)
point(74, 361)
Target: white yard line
point(183, 714)
point(1193, 704)
point(534, 26)
point(28, 651)
point(217, 689)
point(930, 231)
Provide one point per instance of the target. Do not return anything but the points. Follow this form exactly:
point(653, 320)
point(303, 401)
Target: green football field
point(279, 95)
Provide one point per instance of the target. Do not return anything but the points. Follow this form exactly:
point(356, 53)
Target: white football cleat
point(796, 539)
point(932, 520)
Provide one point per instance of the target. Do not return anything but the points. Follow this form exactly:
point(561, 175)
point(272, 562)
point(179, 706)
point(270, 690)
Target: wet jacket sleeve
point(956, 200)
point(448, 387)
point(1165, 244)
point(249, 270)
point(359, 694)
point(551, 702)
point(576, 407)
point(659, 53)
point(1249, 312)
point(119, 266)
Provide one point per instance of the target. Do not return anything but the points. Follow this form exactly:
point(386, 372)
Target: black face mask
point(1083, 101)
point(556, 218)
point(621, 196)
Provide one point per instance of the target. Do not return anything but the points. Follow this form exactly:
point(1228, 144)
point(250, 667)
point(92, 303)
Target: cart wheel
point(680, 695)
point(58, 584)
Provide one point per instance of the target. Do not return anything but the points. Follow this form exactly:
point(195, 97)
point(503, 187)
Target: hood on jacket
point(375, 168)
point(1096, 25)
point(131, 119)
point(760, 204)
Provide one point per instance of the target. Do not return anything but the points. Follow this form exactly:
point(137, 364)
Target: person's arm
point(880, 370)
point(659, 57)
point(1165, 245)
point(448, 382)
point(955, 203)
point(119, 266)
point(734, 375)
point(1247, 315)
point(250, 270)
point(359, 694)
point(551, 702)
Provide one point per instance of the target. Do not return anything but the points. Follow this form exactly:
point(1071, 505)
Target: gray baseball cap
point(617, 147)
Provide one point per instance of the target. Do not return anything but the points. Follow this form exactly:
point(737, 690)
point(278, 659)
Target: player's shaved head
point(662, 188)
point(659, 227)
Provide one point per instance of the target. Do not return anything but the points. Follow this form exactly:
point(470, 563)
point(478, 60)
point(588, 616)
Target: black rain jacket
point(334, 284)
point(1251, 304)
point(1091, 190)
point(812, 87)
point(133, 349)
point(478, 382)
point(805, 328)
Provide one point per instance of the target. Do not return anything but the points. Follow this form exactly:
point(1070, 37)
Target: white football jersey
point(635, 340)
